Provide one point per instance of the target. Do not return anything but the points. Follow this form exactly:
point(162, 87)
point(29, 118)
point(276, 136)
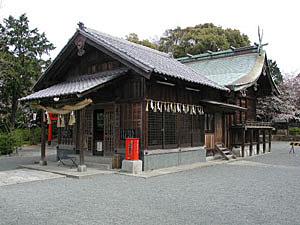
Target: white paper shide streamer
point(174, 107)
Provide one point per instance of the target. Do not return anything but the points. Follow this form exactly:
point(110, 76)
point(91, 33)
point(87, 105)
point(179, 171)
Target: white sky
point(150, 18)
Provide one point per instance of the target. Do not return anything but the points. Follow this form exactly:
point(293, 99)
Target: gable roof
point(146, 59)
point(234, 68)
point(77, 86)
point(151, 59)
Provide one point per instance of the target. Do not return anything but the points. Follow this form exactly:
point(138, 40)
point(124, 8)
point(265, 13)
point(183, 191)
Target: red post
point(132, 149)
point(50, 128)
point(50, 133)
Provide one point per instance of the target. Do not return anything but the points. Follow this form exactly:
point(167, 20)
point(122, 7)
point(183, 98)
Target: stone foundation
point(155, 159)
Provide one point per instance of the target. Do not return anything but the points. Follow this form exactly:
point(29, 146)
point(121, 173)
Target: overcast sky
point(149, 18)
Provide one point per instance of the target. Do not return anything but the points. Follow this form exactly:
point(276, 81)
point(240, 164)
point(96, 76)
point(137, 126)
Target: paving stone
point(23, 175)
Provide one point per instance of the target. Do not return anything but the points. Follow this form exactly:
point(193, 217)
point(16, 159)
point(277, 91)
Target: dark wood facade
point(120, 109)
point(121, 104)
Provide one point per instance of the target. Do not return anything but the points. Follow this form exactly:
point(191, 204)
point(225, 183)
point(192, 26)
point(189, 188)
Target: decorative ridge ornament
point(260, 45)
point(81, 25)
point(80, 43)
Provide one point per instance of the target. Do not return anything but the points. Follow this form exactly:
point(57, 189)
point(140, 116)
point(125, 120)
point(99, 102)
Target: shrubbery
point(7, 143)
point(294, 131)
point(17, 138)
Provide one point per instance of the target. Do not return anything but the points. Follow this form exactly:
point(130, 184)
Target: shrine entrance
point(103, 132)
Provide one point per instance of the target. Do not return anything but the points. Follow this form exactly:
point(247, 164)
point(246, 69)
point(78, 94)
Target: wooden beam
point(43, 161)
point(270, 140)
point(264, 141)
point(251, 142)
point(258, 142)
point(82, 137)
point(243, 143)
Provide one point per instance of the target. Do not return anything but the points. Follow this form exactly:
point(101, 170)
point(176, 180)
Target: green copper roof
point(230, 69)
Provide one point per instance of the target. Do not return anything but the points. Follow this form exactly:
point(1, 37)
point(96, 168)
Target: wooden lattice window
point(155, 128)
point(130, 122)
point(162, 129)
point(185, 130)
point(165, 128)
point(169, 129)
point(197, 130)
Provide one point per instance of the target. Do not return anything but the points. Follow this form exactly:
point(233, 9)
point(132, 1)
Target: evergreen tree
point(22, 60)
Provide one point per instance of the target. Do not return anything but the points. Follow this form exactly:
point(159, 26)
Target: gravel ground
point(261, 190)
point(28, 155)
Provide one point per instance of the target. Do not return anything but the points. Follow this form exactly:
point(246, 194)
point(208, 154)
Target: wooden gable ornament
point(80, 42)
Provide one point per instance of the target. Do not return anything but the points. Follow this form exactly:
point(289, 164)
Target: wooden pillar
point(243, 143)
point(264, 141)
point(43, 161)
point(82, 144)
point(81, 135)
point(231, 139)
point(257, 142)
point(270, 140)
point(251, 142)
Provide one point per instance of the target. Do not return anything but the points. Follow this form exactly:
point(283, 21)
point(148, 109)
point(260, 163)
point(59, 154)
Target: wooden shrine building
point(245, 71)
point(105, 89)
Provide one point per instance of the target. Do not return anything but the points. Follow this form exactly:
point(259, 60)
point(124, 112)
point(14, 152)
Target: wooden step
point(225, 152)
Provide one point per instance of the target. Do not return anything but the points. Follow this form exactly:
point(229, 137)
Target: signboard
point(99, 146)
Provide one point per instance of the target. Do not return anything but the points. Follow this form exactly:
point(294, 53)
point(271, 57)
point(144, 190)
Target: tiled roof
point(227, 68)
point(149, 59)
point(77, 85)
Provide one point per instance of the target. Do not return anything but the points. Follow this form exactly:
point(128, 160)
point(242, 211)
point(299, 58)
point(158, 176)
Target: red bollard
point(132, 148)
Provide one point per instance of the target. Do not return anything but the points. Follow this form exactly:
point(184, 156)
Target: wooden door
point(218, 128)
point(109, 131)
point(98, 131)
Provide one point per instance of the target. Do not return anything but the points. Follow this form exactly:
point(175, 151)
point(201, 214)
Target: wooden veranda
point(251, 136)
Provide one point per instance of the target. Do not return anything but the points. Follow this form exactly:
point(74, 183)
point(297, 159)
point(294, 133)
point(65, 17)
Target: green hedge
point(294, 131)
point(17, 138)
point(7, 143)
point(27, 136)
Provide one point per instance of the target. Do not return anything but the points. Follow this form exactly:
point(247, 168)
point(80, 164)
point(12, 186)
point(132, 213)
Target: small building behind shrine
point(103, 89)
point(245, 71)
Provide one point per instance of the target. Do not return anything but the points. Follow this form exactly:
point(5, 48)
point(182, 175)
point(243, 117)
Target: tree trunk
point(14, 108)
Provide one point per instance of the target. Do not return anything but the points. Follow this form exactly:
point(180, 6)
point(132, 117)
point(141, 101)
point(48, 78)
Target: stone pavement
point(27, 155)
point(24, 175)
point(52, 167)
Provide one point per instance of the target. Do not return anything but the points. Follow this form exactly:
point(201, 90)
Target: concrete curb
point(177, 169)
point(70, 174)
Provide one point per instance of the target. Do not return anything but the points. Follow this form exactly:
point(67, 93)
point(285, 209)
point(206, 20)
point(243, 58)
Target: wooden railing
point(258, 123)
point(254, 123)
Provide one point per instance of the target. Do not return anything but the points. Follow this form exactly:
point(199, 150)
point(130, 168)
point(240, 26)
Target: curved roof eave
point(252, 77)
point(254, 74)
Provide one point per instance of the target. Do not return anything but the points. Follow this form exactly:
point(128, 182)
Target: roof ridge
point(97, 36)
point(128, 42)
point(105, 39)
point(224, 53)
